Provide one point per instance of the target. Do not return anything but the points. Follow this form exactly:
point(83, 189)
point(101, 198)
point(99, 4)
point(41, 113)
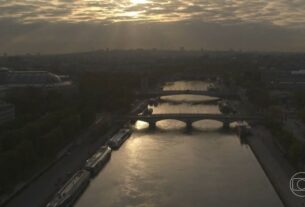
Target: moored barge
point(98, 160)
point(72, 189)
point(119, 138)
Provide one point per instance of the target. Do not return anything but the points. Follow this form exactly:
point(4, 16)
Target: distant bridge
point(220, 94)
point(189, 119)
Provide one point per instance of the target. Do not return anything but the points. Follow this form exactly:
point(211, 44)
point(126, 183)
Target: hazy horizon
point(66, 26)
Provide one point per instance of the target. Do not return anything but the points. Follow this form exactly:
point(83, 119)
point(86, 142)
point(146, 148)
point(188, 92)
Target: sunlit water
point(169, 167)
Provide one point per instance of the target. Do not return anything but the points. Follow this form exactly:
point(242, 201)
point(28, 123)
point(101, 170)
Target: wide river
point(169, 167)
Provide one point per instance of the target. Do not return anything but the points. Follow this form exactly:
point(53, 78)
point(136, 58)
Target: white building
point(10, 78)
point(280, 79)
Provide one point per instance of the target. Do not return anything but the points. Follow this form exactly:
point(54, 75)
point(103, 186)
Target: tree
point(274, 116)
point(51, 143)
point(259, 97)
point(299, 97)
point(9, 162)
point(302, 114)
point(27, 155)
point(295, 151)
point(71, 126)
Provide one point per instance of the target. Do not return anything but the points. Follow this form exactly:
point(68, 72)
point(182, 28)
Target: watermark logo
point(297, 184)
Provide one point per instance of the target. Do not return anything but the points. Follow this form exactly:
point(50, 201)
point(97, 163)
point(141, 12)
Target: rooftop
point(31, 78)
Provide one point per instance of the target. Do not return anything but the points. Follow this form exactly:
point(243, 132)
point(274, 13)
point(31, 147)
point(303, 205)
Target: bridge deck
point(188, 92)
point(190, 116)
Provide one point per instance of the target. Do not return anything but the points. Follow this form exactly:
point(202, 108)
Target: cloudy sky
point(59, 26)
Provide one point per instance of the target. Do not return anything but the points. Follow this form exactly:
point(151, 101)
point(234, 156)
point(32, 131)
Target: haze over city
point(65, 26)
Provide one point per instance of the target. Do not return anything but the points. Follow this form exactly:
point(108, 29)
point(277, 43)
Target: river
point(171, 167)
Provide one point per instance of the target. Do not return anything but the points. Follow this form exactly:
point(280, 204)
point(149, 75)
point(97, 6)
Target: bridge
point(220, 94)
point(189, 119)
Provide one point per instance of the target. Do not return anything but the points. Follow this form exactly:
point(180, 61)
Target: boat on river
point(212, 87)
point(243, 129)
point(70, 192)
point(226, 108)
point(119, 138)
point(98, 160)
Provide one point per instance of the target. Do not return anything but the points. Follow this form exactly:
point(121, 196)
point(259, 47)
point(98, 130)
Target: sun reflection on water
point(141, 125)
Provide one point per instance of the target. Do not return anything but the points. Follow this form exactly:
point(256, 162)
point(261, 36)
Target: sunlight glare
point(138, 1)
point(141, 125)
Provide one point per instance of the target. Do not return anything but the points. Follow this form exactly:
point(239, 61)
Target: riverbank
point(271, 158)
point(275, 165)
point(39, 191)
point(6, 199)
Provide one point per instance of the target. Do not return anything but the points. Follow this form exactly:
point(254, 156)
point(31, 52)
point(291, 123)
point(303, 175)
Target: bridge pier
point(152, 125)
point(189, 126)
point(226, 125)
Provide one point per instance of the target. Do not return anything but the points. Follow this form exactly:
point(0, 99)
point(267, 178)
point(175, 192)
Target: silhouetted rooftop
point(32, 77)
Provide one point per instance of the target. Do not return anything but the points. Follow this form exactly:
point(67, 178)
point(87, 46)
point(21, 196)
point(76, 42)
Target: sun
point(138, 1)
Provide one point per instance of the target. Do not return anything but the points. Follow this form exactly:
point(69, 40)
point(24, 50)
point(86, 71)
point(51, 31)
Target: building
point(279, 79)
point(298, 72)
point(7, 112)
point(11, 79)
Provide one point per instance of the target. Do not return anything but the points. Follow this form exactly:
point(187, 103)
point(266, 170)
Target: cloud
point(279, 12)
point(66, 37)
point(73, 25)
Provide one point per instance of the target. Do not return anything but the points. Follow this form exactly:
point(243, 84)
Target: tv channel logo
point(297, 184)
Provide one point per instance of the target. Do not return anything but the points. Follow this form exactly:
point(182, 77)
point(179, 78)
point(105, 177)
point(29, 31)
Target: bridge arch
point(171, 119)
point(159, 120)
point(187, 94)
point(174, 123)
point(207, 119)
point(224, 123)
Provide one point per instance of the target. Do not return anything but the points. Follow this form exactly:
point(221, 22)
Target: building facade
point(284, 79)
point(10, 78)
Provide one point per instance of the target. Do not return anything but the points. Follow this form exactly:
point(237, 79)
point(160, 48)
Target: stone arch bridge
point(189, 119)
